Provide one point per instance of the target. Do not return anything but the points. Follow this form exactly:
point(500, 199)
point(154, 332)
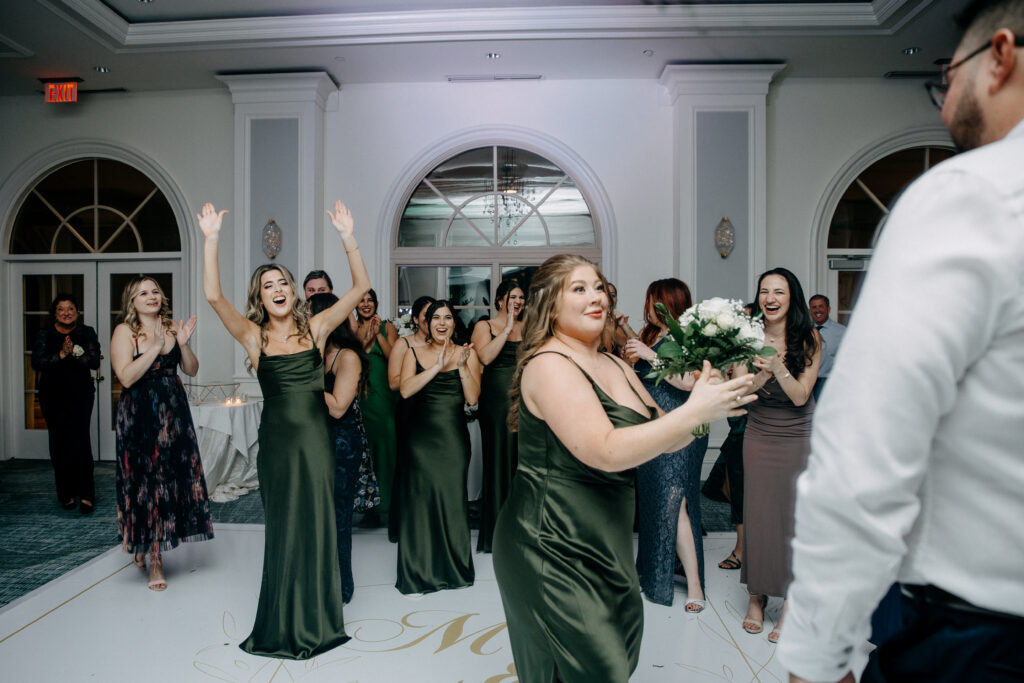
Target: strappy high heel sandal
point(156, 566)
point(755, 626)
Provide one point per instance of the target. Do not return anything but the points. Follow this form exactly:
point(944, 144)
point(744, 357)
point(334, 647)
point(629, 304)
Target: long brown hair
point(130, 317)
point(257, 312)
point(539, 319)
point(674, 295)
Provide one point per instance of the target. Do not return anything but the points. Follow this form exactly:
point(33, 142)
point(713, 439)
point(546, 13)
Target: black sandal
point(731, 562)
point(85, 507)
point(70, 505)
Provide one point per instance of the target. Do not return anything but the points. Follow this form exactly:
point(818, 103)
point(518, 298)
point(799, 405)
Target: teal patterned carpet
point(39, 541)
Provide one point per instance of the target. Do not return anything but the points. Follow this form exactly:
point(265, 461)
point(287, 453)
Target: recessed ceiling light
point(648, 53)
point(145, 2)
point(101, 69)
point(493, 55)
point(911, 50)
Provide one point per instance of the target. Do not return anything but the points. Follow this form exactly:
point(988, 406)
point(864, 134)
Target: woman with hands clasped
point(434, 551)
point(777, 441)
point(563, 546)
point(496, 342)
point(63, 353)
point(161, 492)
point(300, 607)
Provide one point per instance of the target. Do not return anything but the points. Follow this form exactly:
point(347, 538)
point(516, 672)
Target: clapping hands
point(183, 330)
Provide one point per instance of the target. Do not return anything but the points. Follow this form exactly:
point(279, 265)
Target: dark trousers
point(67, 425)
point(941, 642)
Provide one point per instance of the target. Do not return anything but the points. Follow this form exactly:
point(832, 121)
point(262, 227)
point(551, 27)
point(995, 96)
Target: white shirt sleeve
point(927, 311)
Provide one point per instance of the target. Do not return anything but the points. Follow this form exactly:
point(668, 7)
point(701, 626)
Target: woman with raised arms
point(300, 607)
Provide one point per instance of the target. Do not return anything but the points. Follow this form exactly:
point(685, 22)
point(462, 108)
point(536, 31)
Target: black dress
point(499, 444)
point(350, 447)
point(662, 484)
point(66, 396)
point(434, 547)
point(161, 492)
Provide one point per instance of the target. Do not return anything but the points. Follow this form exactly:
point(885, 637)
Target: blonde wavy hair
point(130, 317)
point(257, 312)
point(546, 288)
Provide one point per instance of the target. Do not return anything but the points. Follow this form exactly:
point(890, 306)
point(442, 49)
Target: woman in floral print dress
point(161, 492)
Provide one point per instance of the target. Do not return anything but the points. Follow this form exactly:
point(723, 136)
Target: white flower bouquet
point(77, 351)
point(715, 330)
point(405, 325)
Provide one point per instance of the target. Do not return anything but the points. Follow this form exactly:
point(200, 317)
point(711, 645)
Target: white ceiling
point(181, 44)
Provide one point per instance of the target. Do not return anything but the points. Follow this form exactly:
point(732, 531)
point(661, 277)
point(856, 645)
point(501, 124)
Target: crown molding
point(718, 79)
point(522, 23)
point(312, 86)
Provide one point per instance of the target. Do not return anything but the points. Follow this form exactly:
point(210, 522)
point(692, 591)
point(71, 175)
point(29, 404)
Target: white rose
point(77, 351)
point(714, 306)
point(711, 329)
point(726, 321)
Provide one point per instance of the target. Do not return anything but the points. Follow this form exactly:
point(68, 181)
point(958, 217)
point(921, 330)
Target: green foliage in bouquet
point(717, 330)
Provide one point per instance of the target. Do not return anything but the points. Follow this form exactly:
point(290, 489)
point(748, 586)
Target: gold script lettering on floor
point(100, 623)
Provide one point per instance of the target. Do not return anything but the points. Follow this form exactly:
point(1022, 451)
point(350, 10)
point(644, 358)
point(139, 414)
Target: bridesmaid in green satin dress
point(378, 404)
point(563, 546)
point(300, 606)
point(395, 360)
point(434, 551)
point(496, 342)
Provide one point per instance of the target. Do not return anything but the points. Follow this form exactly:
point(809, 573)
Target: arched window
point(87, 226)
point(860, 213)
point(483, 215)
point(94, 206)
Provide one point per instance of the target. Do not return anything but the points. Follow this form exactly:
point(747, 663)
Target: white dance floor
point(100, 623)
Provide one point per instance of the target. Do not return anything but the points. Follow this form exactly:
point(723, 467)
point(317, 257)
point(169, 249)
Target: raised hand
point(443, 355)
point(368, 330)
point(464, 355)
point(210, 219)
point(342, 219)
point(637, 349)
point(183, 330)
point(510, 321)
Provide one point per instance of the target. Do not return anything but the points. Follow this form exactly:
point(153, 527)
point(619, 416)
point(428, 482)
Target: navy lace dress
point(662, 484)
point(161, 492)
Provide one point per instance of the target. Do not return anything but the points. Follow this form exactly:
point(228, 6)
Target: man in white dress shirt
point(917, 465)
point(831, 335)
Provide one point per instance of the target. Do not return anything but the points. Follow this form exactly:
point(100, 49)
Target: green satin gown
point(378, 408)
point(499, 444)
point(563, 557)
point(300, 610)
point(434, 546)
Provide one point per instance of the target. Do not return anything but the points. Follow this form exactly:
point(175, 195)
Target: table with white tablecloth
point(228, 437)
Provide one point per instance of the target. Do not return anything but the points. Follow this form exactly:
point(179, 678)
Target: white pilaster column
point(719, 163)
point(279, 172)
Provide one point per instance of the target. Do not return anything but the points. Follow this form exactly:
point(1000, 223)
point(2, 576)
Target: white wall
point(619, 129)
point(814, 127)
point(616, 127)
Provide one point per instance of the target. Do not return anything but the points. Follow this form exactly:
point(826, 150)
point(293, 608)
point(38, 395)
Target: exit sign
point(60, 91)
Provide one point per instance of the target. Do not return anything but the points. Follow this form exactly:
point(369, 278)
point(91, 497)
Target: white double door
point(98, 286)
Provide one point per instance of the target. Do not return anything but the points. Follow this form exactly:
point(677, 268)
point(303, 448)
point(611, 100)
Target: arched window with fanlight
point(860, 215)
point(482, 215)
point(86, 226)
